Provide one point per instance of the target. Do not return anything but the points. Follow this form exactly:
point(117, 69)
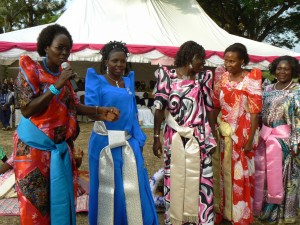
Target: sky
point(297, 48)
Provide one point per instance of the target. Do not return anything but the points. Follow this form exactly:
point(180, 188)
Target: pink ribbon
point(269, 162)
point(260, 175)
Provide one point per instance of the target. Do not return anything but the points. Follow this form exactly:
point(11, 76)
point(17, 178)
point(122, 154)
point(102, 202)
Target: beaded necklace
point(282, 88)
point(48, 70)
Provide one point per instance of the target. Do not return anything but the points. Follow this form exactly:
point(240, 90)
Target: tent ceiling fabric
point(152, 29)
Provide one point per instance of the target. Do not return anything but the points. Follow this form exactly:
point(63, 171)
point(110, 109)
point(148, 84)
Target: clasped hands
point(109, 114)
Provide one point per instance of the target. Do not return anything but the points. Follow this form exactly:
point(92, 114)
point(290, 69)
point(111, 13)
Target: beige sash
point(184, 175)
point(216, 162)
point(226, 131)
point(106, 178)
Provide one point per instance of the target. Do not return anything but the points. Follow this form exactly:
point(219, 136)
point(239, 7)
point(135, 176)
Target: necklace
point(48, 70)
point(283, 88)
point(116, 81)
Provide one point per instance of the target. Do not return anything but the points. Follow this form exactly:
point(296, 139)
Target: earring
point(191, 66)
point(107, 70)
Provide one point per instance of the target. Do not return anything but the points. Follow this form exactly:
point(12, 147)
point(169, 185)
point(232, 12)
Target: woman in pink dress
point(184, 93)
point(237, 101)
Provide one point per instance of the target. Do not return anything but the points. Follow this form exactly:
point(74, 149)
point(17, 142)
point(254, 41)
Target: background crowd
point(230, 144)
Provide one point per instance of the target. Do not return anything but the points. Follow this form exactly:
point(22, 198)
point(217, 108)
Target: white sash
point(106, 178)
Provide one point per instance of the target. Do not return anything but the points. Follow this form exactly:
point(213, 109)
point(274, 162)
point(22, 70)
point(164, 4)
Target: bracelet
point(156, 135)
point(53, 90)
point(96, 110)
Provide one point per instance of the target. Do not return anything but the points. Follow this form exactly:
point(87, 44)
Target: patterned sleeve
point(27, 84)
point(254, 91)
point(217, 85)
point(163, 87)
point(207, 90)
point(293, 117)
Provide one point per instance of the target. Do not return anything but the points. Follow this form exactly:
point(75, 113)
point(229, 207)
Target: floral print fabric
point(58, 122)
point(188, 101)
point(283, 107)
point(237, 100)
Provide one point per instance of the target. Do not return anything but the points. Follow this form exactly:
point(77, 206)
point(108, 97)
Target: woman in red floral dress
point(237, 101)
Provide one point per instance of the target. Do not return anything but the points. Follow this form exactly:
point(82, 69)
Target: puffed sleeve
point(27, 84)
point(254, 91)
point(137, 132)
point(217, 86)
point(163, 88)
point(207, 90)
point(92, 88)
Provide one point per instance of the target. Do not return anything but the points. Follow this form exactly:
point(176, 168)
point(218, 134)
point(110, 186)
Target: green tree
point(273, 21)
point(18, 14)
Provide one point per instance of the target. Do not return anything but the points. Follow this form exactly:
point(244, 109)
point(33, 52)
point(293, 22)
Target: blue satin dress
point(99, 92)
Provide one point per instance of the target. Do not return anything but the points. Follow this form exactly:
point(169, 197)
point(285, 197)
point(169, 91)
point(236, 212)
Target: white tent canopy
point(152, 29)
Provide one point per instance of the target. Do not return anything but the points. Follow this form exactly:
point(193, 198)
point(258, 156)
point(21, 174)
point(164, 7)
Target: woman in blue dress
point(119, 188)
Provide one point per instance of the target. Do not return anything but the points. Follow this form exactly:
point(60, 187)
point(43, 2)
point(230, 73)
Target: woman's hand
point(109, 114)
point(248, 146)
point(157, 147)
point(295, 154)
point(63, 78)
point(213, 150)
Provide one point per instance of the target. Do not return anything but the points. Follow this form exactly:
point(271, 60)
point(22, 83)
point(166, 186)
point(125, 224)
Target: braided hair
point(110, 47)
point(241, 50)
point(187, 52)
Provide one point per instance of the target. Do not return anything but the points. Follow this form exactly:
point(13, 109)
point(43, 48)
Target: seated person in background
point(80, 85)
point(138, 100)
point(143, 86)
point(152, 85)
point(149, 102)
point(7, 164)
point(137, 85)
point(3, 156)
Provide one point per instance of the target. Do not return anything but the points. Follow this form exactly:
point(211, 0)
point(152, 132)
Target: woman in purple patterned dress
point(183, 99)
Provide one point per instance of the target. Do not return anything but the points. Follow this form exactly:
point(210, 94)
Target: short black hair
point(241, 50)
point(47, 35)
point(110, 47)
point(294, 63)
point(187, 52)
